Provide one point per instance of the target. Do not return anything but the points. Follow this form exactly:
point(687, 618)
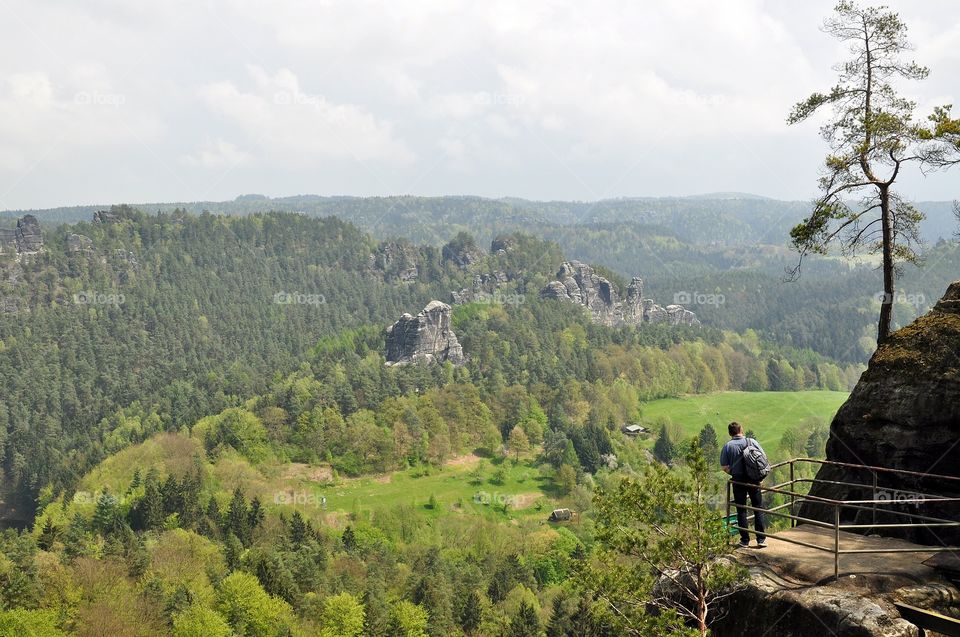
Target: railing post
point(728, 506)
point(836, 542)
point(793, 509)
point(874, 498)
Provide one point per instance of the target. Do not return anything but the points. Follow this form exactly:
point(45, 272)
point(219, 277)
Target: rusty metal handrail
point(837, 505)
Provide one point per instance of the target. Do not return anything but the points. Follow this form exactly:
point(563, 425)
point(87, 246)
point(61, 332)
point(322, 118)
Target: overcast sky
point(105, 101)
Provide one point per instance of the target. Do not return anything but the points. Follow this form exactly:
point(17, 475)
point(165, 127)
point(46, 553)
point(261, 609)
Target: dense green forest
point(198, 327)
point(693, 247)
point(720, 219)
point(185, 393)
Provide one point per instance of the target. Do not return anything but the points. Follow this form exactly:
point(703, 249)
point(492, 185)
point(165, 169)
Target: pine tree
point(663, 448)
point(147, 513)
point(276, 579)
point(106, 514)
point(559, 619)
point(255, 516)
point(48, 535)
point(348, 539)
point(136, 481)
point(75, 540)
point(298, 529)
point(172, 500)
point(526, 623)
point(238, 518)
point(232, 550)
point(582, 623)
point(472, 613)
point(709, 441)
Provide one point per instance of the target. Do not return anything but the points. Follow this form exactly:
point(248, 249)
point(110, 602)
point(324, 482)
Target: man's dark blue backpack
point(755, 461)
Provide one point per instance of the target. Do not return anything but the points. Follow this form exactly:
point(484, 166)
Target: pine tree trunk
point(702, 603)
point(886, 308)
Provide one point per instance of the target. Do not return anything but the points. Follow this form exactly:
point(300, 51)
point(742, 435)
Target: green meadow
point(469, 485)
point(767, 414)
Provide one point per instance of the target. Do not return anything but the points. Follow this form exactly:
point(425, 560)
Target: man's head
point(734, 429)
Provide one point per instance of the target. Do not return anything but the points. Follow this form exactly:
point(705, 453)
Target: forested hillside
point(707, 220)
point(731, 248)
point(181, 315)
point(162, 319)
point(185, 393)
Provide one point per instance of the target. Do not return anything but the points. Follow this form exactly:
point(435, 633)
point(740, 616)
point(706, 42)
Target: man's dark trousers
point(740, 493)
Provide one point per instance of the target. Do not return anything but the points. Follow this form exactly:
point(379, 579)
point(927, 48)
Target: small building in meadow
point(634, 430)
point(561, 515)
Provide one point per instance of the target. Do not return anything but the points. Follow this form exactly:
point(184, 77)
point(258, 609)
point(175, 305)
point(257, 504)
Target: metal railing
point(873, 505)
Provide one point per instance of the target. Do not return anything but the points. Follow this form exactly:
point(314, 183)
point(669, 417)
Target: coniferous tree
point(48, 535)
point(106, 514)
point(472, 614)
point(237, 520)
point(664, 449)
point(298, 529)
point(348, 539)
point(582, 623)
point(709, 442)
point(526, 623)
point(147, 512)
point(559, 624)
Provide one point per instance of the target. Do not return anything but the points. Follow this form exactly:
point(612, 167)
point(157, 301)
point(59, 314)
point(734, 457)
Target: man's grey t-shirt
point(732, 455)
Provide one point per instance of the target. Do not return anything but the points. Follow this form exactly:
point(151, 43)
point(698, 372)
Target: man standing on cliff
point(731, 461)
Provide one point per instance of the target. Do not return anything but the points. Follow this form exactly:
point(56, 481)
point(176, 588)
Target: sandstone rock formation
point(503, 244)
point(397, 259)
point(424, 338)
point(578, 283)
point(484, 286)
point(105, 216)
point(904, 414)
point(25, 238)
point(29, 235)
point(79, 243)
point(773, 605)
point(462, 251)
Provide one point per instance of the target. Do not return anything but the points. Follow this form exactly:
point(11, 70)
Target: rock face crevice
point(903, 414)
point(578, 283)
point(425, 338)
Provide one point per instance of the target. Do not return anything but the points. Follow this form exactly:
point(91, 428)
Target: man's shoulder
point(734, 443)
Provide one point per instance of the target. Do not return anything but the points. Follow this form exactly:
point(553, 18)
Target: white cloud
point(551, 100)
point(280, 118)
point(217, 154)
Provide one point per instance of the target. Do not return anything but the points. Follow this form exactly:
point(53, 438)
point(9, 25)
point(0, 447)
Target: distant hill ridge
point(721, 218)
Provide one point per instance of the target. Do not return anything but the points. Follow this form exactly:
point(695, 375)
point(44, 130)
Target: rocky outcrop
point(903, 414)
point(79, 243)
point(462, 251)
point(485, 286)
point(25, 238)
point(397, 260)
point(773, 605)
point(578, 283)
point(503, 244)
point(29, 237)
point(424, 338)
point(105, 216)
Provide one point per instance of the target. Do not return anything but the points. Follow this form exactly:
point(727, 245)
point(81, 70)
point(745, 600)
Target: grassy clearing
point(768, 414)
point(457, 488)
